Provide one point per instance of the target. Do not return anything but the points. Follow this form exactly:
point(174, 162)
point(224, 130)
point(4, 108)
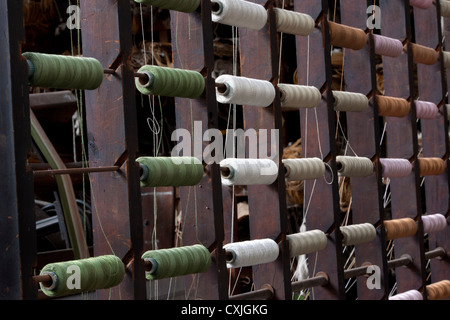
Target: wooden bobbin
point(347, 37)
point(392, 106)
point(439, 290)
point(431, 166)
point(400, 228)
point(422, 54)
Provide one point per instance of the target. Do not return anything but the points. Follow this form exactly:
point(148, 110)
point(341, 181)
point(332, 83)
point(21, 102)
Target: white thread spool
point(354, 166)
point(292, 22)
point(434, 223)
point(251, 252)
point(303, 169)
point(408, 295)
point(358, 233)
point(249, 171)
point(239, 13)
point(245, 91)
point(306, 242)
point(350, 101)
point(295, 96)
point(445, 8)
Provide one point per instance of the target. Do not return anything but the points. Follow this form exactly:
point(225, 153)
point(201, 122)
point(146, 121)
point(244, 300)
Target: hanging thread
point(171, 82)
point(431, 166)
point(422, 4)
point(304, 169)
point(245, 91)
point(174, 262)
point(292, 22)
point(187, 6)
point(445, 8)
point(439, 290)
point(386, 46)
point(170, 171)
point(434, 223)
point(248, 171)
point(306, 242)
point(251, 252)
point(239, 13)
point(358, 233)
point(408, 295)
point(101, 272)
point(426, 110)
point(354, 166)
point(295, 96)
point(423, 55)
point(396, 168)
point(64, 72)
point(400, 228)
point(392, 106)
point(350, 101)
point(347, 37)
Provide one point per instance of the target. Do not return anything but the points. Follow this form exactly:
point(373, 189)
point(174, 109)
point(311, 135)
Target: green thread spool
point(174, 262)
point(64, 72)
point(187, 6)
point(171, 82)
point(170, 171)
point(101, 272)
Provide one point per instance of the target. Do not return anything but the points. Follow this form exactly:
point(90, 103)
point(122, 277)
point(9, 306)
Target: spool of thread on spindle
point(249, 171)
point(439, 290)
point(95, 273)
point(408, 295)
point(426, 110)
point(64, 72)
point(295, 96)
point(422, 4)
point(358, 233)
point(423, 55)
point(251, 252)
point(350, 101)
point(447, 106)
point(170, 171)
point(304, 168)
point(434, 223)
point(445, 8)
point(306, 242)
point(400, 228)
point(239, 13)
point(446, 58)
point(187, 6)
point(347, 37)
point(354, 166)
point(292, 22)
point(392, 107)
point(396, 168)
point(245, 91)
point(431, 166)
point(386, 46)
point(179, 261)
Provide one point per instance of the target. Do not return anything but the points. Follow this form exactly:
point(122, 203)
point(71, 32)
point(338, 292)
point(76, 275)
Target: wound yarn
point(297, 96)
point(94, 273)
point(251, 252)
point(170, 171)
point(347, 37)
point(245, 91)
point(408, 295)
point(171, 82)
point(446, 57)
point(350, 101)
point(392, 106)
point(400, 228)
point(303, 169)
point(426, 110)
point(434, 223)
point(306, 242)
point(358, 233)
point(354, 166)
point(423, 55)
point(64, 72)
point(187, 6)
point(179, 261)
point(249, 171)
point(445, 8)
point(439, 290)
point(386, 46)
point(422, 4)
point(395, 168)
point(292, 22)
point(431, 166)
point(239, 13)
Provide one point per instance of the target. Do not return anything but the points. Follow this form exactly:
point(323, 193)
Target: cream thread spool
point(306, 242)
point(294, 22)
point(408, 295)
point(296, 96)
point(358, 233)
point(445, 8)
point(446, 58)
point(434, 223)
point(350, 101)
point(251, 252)
point(447, 106)
point(249, 171)
point(238, 13)
point(303, 169)
point(354, 166)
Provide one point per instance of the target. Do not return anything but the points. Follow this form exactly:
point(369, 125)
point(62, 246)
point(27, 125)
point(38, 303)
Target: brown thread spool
point(347, 37)
point(431, 166)
point(393, 107)
point(424, 55)
point(439, 290)
point(400, 228)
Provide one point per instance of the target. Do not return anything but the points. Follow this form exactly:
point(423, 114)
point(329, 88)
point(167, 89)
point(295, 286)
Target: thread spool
point(400, 228)
point(396, 168)
point(434, 223)
point(447, 106)
point(408, 295)
point(63, 72)
point(248, 171)
point(245, 91)
point(170, 82)
point(445, 8)
point(303, 169)
point(426, 110)
point(95, 273)
point(350, 101)
point(392, 106)
point(295, 96)
point(174, 262)
point(251, 252)
point(170, 171)
point(446, 58)
point(238, 13)
point(358, 233)
point(386, 46)
point(187, 6)
point(306, 242)
point(347, 37)
point(423, 55)
point(422, 4)
point(431, 166)
point(292, 22)
point(439, 290)
point(354, 166)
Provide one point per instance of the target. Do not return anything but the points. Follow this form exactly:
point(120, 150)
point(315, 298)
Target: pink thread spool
point(426, 110)
point(396, 168)
point(422, 4)
point(433, 222)
point(408, 295)
point(386, 46)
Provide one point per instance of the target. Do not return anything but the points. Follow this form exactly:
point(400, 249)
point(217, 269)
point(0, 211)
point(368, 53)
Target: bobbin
point(347, 37)
point(354, 166)
point(238, 13)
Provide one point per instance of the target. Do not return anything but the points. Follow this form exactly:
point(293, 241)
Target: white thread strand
point(306, 242)
point(350, 101)
point(252, 252)
point(434, 223)
point(239, 13)
point(408, 295)
point(249, 171)
point(354, 166)
point(304, 169)
point(358, 233)
point(294, 22)
point(295, 96)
